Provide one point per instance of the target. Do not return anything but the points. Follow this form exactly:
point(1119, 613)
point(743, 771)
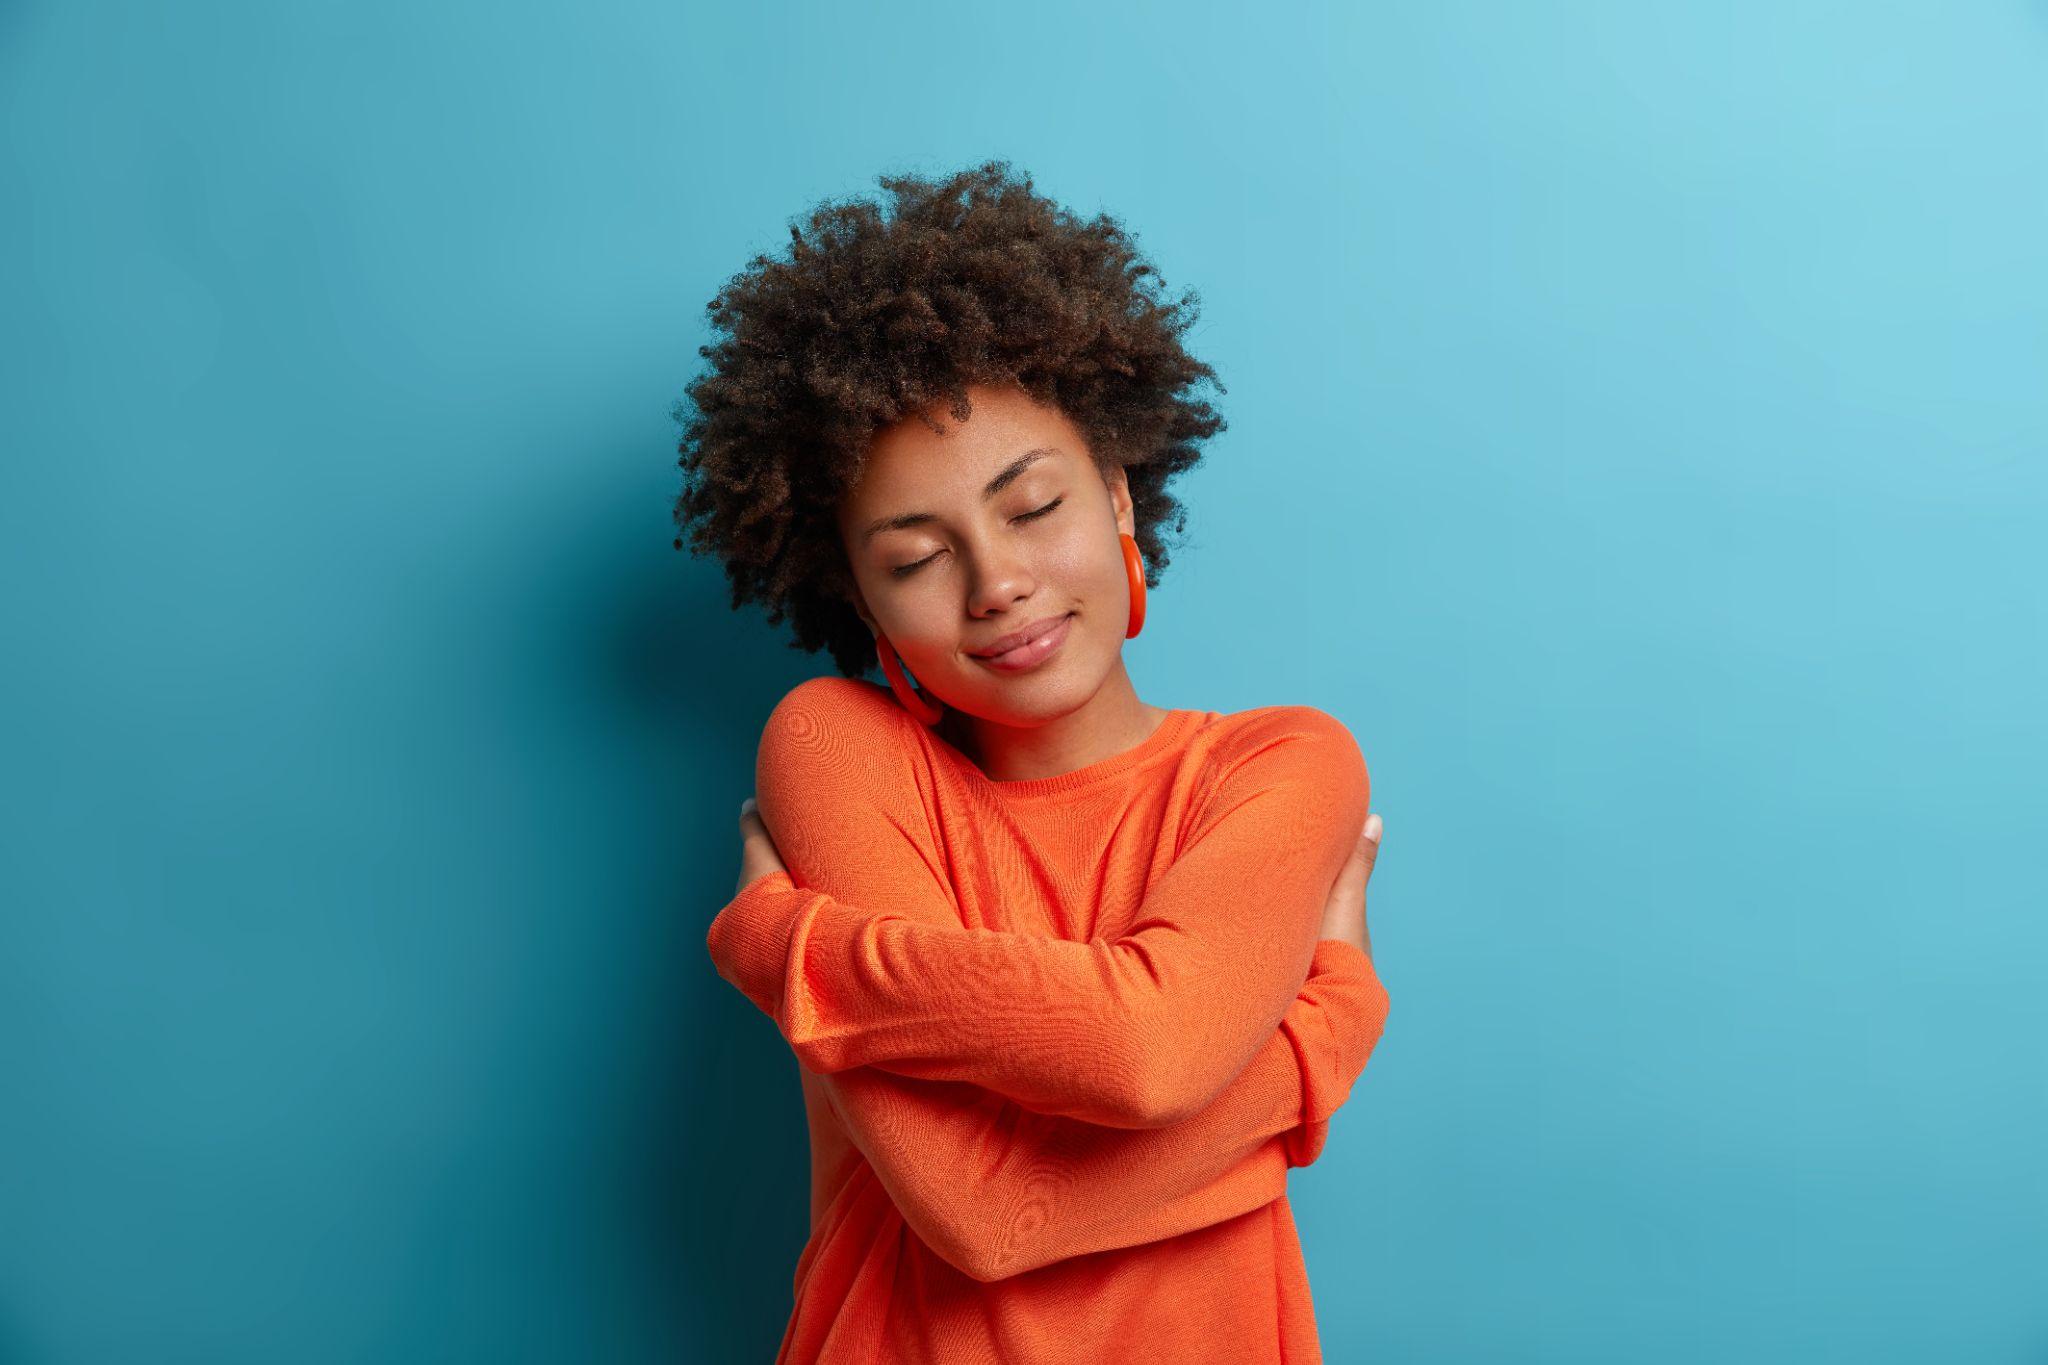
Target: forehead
point(908, 462)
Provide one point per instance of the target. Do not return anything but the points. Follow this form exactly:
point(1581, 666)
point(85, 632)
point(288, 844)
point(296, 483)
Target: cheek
point(923, 624)
point(1081, 567)
point(1093, 580)
point(1109, 580)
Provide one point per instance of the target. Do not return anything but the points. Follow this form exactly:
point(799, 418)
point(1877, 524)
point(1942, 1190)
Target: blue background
point(1639, 437)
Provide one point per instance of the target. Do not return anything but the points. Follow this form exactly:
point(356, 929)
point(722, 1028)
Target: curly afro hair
point(970, 279)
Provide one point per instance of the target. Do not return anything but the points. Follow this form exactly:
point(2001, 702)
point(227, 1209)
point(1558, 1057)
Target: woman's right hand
point(1344, 912)
point(758, 854)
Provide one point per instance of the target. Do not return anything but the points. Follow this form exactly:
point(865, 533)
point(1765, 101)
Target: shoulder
point(833, 700)
point(1304, 727)
point(1288, 744)
point(833, 723)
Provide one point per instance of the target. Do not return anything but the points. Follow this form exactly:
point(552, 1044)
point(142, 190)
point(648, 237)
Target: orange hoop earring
point(1135, 567)
point(918, 704)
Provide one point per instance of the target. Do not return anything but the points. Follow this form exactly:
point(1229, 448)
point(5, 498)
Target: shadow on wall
point(726, 1211)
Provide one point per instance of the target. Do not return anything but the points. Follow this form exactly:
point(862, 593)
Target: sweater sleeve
point(1331, 1029)
point(997, 1190)
point(862, 956)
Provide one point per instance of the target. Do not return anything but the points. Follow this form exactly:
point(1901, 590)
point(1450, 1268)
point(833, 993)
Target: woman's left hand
point(757, 851)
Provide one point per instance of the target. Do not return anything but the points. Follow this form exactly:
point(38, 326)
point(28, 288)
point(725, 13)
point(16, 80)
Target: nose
point(1000, 582)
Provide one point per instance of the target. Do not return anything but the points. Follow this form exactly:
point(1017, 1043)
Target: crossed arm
point(997, 1190)
point(1120, 1091)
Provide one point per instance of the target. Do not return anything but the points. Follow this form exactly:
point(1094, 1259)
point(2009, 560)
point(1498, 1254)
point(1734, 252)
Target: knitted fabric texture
point(1060, 1039)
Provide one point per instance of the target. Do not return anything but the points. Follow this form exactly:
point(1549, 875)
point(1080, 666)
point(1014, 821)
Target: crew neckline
point(1176, 724)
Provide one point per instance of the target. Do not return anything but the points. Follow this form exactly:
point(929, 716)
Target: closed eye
point(904, 571)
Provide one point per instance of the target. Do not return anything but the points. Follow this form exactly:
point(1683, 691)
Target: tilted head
point(892, 365)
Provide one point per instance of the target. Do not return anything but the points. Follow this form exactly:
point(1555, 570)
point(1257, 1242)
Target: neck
point(1107, 724)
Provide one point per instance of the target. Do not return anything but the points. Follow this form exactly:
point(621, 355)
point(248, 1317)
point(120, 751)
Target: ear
point(1119, 485)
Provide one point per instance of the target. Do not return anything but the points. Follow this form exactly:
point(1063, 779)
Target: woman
point(1074, 979)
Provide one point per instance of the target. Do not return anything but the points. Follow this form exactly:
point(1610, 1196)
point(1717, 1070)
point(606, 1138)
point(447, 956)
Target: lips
point(1019, 637)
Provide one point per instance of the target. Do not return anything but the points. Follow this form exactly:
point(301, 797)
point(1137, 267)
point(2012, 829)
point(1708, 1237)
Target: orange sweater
point(1061, 1038)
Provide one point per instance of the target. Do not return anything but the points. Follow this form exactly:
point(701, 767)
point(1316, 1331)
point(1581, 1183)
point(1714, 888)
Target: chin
point(1037, 697)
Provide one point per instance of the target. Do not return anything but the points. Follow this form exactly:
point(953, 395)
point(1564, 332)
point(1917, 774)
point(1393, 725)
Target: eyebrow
point(1009, 475)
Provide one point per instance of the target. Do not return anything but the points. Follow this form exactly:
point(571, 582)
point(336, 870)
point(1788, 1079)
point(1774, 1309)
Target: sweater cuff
point(1345, 962)
point(749, 938)
point(1334, 1042)
point(1341, 959)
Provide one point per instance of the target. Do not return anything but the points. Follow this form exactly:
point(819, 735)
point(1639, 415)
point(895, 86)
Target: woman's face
point(999, 524)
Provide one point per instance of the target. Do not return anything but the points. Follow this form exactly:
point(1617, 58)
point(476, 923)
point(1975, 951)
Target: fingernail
point(1373, 825)
point(746, 805)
